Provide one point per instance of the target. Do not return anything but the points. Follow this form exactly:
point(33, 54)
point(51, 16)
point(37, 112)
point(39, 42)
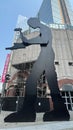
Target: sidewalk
point(38, 125)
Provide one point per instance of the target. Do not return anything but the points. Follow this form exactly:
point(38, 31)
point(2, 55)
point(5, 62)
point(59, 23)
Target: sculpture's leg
point(28, 113)
point(60, 111)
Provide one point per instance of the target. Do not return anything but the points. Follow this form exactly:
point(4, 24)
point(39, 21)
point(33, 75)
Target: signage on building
point(5, 67)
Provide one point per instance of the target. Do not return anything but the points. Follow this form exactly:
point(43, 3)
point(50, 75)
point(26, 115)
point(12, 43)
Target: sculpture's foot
point(56, 116)
point(60, 112)
point(26, 114)
point(20, 117)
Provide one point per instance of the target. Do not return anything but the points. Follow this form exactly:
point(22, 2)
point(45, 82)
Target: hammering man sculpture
point(45, 62)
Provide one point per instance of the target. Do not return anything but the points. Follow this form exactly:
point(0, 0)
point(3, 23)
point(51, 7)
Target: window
point(67, 95)
point(56, 63)
point(70, 63)
point(68, 99)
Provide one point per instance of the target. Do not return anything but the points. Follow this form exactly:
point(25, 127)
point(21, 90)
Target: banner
point(5, 68)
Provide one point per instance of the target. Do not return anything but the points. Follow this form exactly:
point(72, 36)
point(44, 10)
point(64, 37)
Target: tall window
point(67, 95)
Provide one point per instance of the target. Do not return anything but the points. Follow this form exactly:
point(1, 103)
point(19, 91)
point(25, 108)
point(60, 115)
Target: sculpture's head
point(34, 22)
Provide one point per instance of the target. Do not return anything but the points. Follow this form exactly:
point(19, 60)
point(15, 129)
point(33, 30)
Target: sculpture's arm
point(36, 40)
point(27, 42)
point(16, 46)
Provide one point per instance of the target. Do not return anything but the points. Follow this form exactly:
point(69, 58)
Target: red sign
point(5, 67)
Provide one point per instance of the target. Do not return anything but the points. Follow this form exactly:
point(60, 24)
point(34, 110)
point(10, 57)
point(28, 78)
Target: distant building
point(56, 11)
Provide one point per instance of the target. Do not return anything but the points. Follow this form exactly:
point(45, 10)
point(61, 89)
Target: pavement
point(37, 125)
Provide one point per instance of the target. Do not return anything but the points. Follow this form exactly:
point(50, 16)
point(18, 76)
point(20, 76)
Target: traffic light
point(7, 77)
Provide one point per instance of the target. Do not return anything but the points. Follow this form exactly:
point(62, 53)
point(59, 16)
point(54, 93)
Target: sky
point(9, 11)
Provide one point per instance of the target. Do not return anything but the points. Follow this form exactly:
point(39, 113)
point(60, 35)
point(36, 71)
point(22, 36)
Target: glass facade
point(45, 12)
point(22, 23)
point(56, 12)
point(55, 5)
point(70, 12)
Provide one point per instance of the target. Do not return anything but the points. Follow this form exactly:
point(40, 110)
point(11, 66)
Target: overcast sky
point(9, 11)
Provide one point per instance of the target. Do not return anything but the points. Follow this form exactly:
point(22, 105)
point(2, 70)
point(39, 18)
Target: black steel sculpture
point(45, 62)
